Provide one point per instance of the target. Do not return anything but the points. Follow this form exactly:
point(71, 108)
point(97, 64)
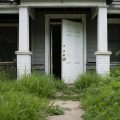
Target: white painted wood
point(23, 63)
point(102, 43)
point(51, 49)
point(102, 55)
point(103, 64)
point(85, 42)
point(72, 51)
point(23, 29)
point(23, 53)
point(38, 42)
point(47, 45)
point(63, 3)
point(113, 10)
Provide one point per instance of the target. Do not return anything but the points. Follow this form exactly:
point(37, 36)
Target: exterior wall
point(38, 42)
point(113, 43)
point(91, 39)
point(91, 42)
point(63, 3)
point(116, 2)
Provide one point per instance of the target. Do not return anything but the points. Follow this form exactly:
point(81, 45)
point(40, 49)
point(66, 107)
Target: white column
point(23, 53)
point(23, 29)
point(102, 53)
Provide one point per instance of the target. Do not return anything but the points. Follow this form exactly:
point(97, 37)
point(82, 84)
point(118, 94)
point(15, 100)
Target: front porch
point(34, 47)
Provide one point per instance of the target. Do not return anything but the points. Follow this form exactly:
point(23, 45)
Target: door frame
point(47, 37)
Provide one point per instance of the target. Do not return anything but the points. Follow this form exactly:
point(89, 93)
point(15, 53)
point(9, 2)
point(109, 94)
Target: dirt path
point(72, 109)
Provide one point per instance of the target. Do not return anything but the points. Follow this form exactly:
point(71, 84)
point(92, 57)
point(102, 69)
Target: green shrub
point(25, 99)
point(60, 85)
point(86, 80)
point(7, 75)
point(103, 105)
point(100, 99)
point(7, 86)
point(115, 72)
point(37, 84)
point(21, 106)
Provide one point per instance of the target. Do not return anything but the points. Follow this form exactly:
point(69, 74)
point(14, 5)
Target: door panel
point(72, 50)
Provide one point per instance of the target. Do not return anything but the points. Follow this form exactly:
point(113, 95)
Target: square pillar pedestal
point(23, 63)
point(103, 62)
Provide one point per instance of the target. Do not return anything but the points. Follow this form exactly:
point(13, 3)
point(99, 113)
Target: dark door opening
point(56, 50)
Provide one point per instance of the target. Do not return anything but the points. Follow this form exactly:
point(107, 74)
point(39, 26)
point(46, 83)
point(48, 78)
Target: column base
point(23, 63)
point(103, 62)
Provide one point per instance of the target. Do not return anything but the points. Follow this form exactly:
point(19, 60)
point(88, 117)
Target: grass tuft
point(37, 84)
point(86, 80)
point(99, 97)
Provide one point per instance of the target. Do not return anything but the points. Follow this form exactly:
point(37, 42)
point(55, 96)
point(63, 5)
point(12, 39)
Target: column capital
point(103, 53)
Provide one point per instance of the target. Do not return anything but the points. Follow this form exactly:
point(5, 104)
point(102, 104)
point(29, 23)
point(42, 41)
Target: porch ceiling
point(63, 10)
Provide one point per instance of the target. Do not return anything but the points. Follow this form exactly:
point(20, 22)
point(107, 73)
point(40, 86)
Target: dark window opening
point(8, 43)
point(114, 41)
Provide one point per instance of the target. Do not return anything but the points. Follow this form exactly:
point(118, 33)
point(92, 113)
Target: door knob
point(64, 59)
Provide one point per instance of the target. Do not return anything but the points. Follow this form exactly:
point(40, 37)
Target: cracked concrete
point(72, 109)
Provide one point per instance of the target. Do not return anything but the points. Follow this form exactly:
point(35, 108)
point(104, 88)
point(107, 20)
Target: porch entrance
point(66, 49)
point(65, 46)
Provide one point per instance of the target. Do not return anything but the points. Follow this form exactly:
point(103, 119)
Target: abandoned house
point(60, 37)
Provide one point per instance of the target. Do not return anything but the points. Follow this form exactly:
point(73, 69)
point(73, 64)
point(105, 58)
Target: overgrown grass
point(21, 106)
point(86, 80)
point(25, 99)
point(100, 97)
point(37, 84)
point(7, 75)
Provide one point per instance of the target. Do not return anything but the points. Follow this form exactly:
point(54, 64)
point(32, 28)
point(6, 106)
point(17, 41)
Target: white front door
point(72, 50)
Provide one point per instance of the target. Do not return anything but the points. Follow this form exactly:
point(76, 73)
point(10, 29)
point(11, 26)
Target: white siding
point(116, 2)
point(38, 42)
point(91, 39)
point(113, 42)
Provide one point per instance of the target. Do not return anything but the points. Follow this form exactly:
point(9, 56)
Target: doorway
point(65, 46)
point(55, 41)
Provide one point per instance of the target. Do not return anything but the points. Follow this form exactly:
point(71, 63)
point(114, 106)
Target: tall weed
point(86, 80)
point(21, 106)
point(100, 98)
point(115, 72)
point(37, 84)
